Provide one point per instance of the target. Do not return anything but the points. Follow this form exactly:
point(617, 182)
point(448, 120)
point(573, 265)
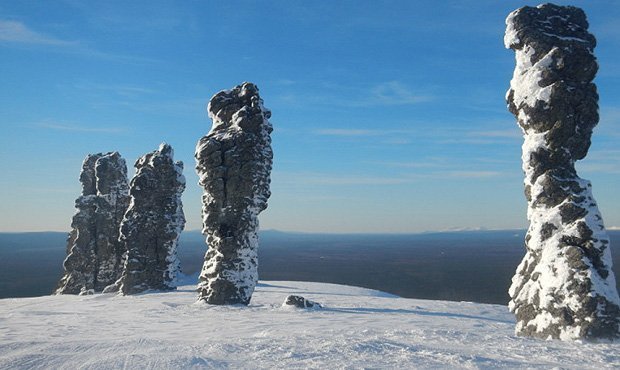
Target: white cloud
point(346, 132)
point(509, 134)
point(17, 32)
point(395, 93)
point(473, 174)
point(329, 179)
point(76, 128)
point(426, 164)
point(601, 161)
point(389, 93)
point(352, 132)
point(121, 90)
point(308, 178)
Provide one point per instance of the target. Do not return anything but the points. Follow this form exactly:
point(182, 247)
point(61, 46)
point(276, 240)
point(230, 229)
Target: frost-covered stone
point(93, 251)
point(152, 225)
point(300, 302)
point(234, 165)
point(564, 287)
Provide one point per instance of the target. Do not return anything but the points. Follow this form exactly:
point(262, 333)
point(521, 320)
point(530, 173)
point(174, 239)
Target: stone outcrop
point(564, 287)
point(152, 225)
point(234, 164)
point(94, 253)
point(300, 302)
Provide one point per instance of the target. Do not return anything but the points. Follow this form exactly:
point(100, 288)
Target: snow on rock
point(93, 251)
point(234, 166)
point(357, 328)
point(152, 224)
point(564, 287)
point(300, 302)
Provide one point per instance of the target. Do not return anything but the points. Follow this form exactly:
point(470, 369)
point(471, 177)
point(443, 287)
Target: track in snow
point(357, 328)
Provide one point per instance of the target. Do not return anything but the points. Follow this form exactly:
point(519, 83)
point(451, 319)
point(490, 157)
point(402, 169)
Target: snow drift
point(356, 328)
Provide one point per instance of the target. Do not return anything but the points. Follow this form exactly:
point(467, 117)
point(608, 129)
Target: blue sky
point(388, 116)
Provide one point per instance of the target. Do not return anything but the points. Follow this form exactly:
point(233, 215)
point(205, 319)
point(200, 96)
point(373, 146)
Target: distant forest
point(459, 266)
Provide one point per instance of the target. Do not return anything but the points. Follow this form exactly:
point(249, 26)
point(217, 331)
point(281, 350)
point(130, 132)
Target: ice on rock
point(94, 253)
point(564, 288)
point(152, 225)
point(233, 163)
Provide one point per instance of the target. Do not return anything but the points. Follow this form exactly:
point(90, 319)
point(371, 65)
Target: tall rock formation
point(234, 165)
point(564, 287)
point(152, 224)
point(94, 252)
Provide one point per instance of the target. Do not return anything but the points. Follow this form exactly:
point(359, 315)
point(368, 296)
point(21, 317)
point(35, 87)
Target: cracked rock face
point(564, 288)
point(94, 254)
point(234, 165)
point(152, 225)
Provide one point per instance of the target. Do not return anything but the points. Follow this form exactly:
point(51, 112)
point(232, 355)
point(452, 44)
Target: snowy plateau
point(356, 328)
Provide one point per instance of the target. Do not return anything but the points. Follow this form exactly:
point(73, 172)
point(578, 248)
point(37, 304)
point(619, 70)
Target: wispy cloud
point(473, 174)
point(77, 128)
point(390, 93)
point(329, 179)
point(431, 163)
point(395, 93)
point(121, 90)
point(407, 136)
point(284, 82)
point(610, 121)
point(17, 32)
point(346, 132)
point(509, 134)
point(361, 132)
point(315, 178)
point(605, 161)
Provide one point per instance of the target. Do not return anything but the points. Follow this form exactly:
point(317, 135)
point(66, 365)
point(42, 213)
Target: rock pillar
point(234, 164)
point(94, 253)
point(564, 288)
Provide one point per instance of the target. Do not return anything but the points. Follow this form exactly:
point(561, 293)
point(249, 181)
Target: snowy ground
point(357, 328)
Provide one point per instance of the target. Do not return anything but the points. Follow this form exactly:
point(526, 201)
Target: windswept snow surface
point(357, 328)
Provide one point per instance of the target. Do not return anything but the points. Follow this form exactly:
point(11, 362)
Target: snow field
point(357, 328)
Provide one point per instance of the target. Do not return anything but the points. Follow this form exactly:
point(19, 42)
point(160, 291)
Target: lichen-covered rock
point(234, 165)
point(94, 253)
point(300, 302)
point(564, 287)
point(152, 225)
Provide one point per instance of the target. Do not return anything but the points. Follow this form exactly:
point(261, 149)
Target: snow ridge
point(233, 163)
point(564, 287)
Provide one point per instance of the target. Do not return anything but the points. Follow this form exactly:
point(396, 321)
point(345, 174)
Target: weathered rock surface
point(234, 165)
point(300, 302)
point(152, 225)
point(564, 287)
point(93, 251)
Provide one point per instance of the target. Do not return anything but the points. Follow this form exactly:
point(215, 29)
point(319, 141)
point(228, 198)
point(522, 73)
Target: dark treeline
point(458, 266)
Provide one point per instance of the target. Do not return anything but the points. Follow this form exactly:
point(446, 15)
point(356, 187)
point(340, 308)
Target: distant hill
point(460, 266)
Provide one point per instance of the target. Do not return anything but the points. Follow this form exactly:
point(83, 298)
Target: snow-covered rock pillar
point(152, 224)
point(234, 165)
point(564, 287)
point(94, 253)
